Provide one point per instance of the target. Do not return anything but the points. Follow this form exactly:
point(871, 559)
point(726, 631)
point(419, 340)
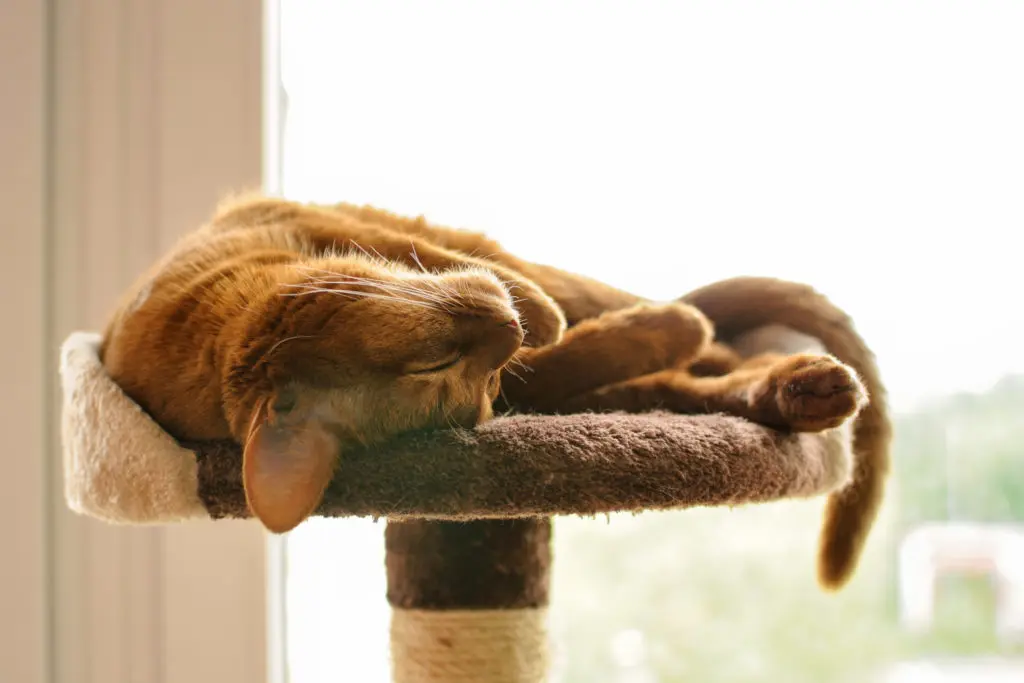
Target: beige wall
point(146, 113)
point(23, 567)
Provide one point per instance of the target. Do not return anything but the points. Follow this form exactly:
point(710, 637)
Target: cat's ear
point(286, 468)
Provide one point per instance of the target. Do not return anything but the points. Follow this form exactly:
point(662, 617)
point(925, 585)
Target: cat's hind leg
point(802, 393)
point(716, 360)
point(612, 347)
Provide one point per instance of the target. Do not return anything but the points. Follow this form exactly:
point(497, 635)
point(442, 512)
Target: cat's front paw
point(669, 334)
point(541, 318)
point(814, 393)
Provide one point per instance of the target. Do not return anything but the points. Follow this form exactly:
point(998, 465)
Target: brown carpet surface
point(582, 464)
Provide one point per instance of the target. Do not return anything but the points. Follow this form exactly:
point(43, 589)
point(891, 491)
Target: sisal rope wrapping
point(469, 646)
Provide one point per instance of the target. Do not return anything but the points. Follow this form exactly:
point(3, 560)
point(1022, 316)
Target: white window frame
point(123, 122)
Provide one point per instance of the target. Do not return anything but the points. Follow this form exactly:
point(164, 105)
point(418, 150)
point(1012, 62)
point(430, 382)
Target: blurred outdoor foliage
point(729, 596)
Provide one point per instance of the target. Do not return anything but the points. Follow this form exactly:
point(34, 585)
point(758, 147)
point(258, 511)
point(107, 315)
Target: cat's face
point(354, 352)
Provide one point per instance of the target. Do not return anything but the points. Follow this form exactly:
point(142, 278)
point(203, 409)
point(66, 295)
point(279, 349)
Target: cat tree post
point(469, 600)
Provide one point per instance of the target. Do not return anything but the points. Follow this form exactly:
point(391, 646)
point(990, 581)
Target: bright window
point(873, 150)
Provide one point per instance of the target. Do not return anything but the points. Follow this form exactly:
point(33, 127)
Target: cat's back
point(160, 343)
point(244, 237)
point(199, 260)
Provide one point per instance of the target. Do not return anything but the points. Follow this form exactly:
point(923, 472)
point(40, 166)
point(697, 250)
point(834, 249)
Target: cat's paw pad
point(815, 393)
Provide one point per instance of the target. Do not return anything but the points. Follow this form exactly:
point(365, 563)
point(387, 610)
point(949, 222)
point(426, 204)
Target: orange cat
point(297, 329)
point(802, 392)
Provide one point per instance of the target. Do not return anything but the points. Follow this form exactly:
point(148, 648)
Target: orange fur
point(260, 328)
point(809, 393)
point(296, 329)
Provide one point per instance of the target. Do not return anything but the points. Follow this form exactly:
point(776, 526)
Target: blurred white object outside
point(932, 550)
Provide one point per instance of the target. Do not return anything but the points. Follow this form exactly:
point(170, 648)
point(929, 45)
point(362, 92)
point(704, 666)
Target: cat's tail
point(742, 304)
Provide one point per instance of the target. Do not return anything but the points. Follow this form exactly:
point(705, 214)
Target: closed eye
point(439, 367)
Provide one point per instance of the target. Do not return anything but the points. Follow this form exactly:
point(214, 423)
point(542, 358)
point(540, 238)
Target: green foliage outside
point(724, 596)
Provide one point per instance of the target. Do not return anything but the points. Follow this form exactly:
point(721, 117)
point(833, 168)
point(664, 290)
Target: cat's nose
point(497, 340)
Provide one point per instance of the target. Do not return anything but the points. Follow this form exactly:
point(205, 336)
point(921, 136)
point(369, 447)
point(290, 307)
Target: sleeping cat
point(297, 329)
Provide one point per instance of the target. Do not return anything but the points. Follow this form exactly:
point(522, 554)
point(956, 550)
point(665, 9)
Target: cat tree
point(469, 512)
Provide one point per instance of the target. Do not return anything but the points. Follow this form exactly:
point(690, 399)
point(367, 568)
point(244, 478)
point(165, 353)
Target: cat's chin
point(468, 417)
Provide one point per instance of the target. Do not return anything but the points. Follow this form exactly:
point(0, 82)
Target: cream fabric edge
point(470, 646)
point(119, 465)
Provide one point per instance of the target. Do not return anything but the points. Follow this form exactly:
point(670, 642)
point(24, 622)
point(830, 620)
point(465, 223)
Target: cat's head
point(348, 350)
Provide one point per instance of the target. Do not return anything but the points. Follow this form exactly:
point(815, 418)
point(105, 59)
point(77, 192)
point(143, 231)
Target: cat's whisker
point(447, 416)
point(521, 364)
point(382, 297)
point(504, 398)
point(429, 285)
point(359, 247)
point(515, 374)
point(425, 293)
point(416, 257)
point(442, 290)
point(387, 287)
point(371, 283)
point(341, 279)
point(287, 339)
point(379, 258)
point(379, 255)
point(357, 293)
point(310, 269)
